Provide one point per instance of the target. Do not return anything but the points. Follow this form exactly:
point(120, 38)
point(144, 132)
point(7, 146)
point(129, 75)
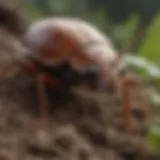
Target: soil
point(81, 125)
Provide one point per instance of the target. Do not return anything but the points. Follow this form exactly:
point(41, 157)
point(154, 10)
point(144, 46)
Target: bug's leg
point(30, 68)
point(42, 97)
point(130, 84)
point(140, 95)
point(51, 81)
point(143, 101)
point(125, 90)
point(45, 80)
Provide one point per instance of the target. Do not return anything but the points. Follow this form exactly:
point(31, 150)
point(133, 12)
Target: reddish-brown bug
point(54, 41)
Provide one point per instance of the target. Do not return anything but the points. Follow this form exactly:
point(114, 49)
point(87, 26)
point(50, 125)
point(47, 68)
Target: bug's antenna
point(129, 44)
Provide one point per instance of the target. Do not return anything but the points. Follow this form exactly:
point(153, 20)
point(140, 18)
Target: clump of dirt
point(12, 18)
point(12, 26)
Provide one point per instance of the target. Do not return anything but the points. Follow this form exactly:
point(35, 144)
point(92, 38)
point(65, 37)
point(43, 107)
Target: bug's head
point(36, 40)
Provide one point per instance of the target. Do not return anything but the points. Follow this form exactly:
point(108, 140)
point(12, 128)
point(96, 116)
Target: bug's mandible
point(54, 41)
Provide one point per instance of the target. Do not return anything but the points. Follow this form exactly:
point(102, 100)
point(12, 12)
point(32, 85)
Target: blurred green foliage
point(151, 47)
point(153, 138)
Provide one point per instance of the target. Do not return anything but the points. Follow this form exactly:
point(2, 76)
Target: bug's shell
point(53, 41)
point(56, 39)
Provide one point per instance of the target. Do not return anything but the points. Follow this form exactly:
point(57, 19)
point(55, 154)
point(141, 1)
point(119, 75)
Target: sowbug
point(54, 42)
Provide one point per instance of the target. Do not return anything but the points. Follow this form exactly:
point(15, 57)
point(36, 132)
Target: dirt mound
point(83, 125)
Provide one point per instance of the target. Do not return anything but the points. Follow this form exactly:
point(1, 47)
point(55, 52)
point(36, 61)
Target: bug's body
point(69, 39)
point(55, 41)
